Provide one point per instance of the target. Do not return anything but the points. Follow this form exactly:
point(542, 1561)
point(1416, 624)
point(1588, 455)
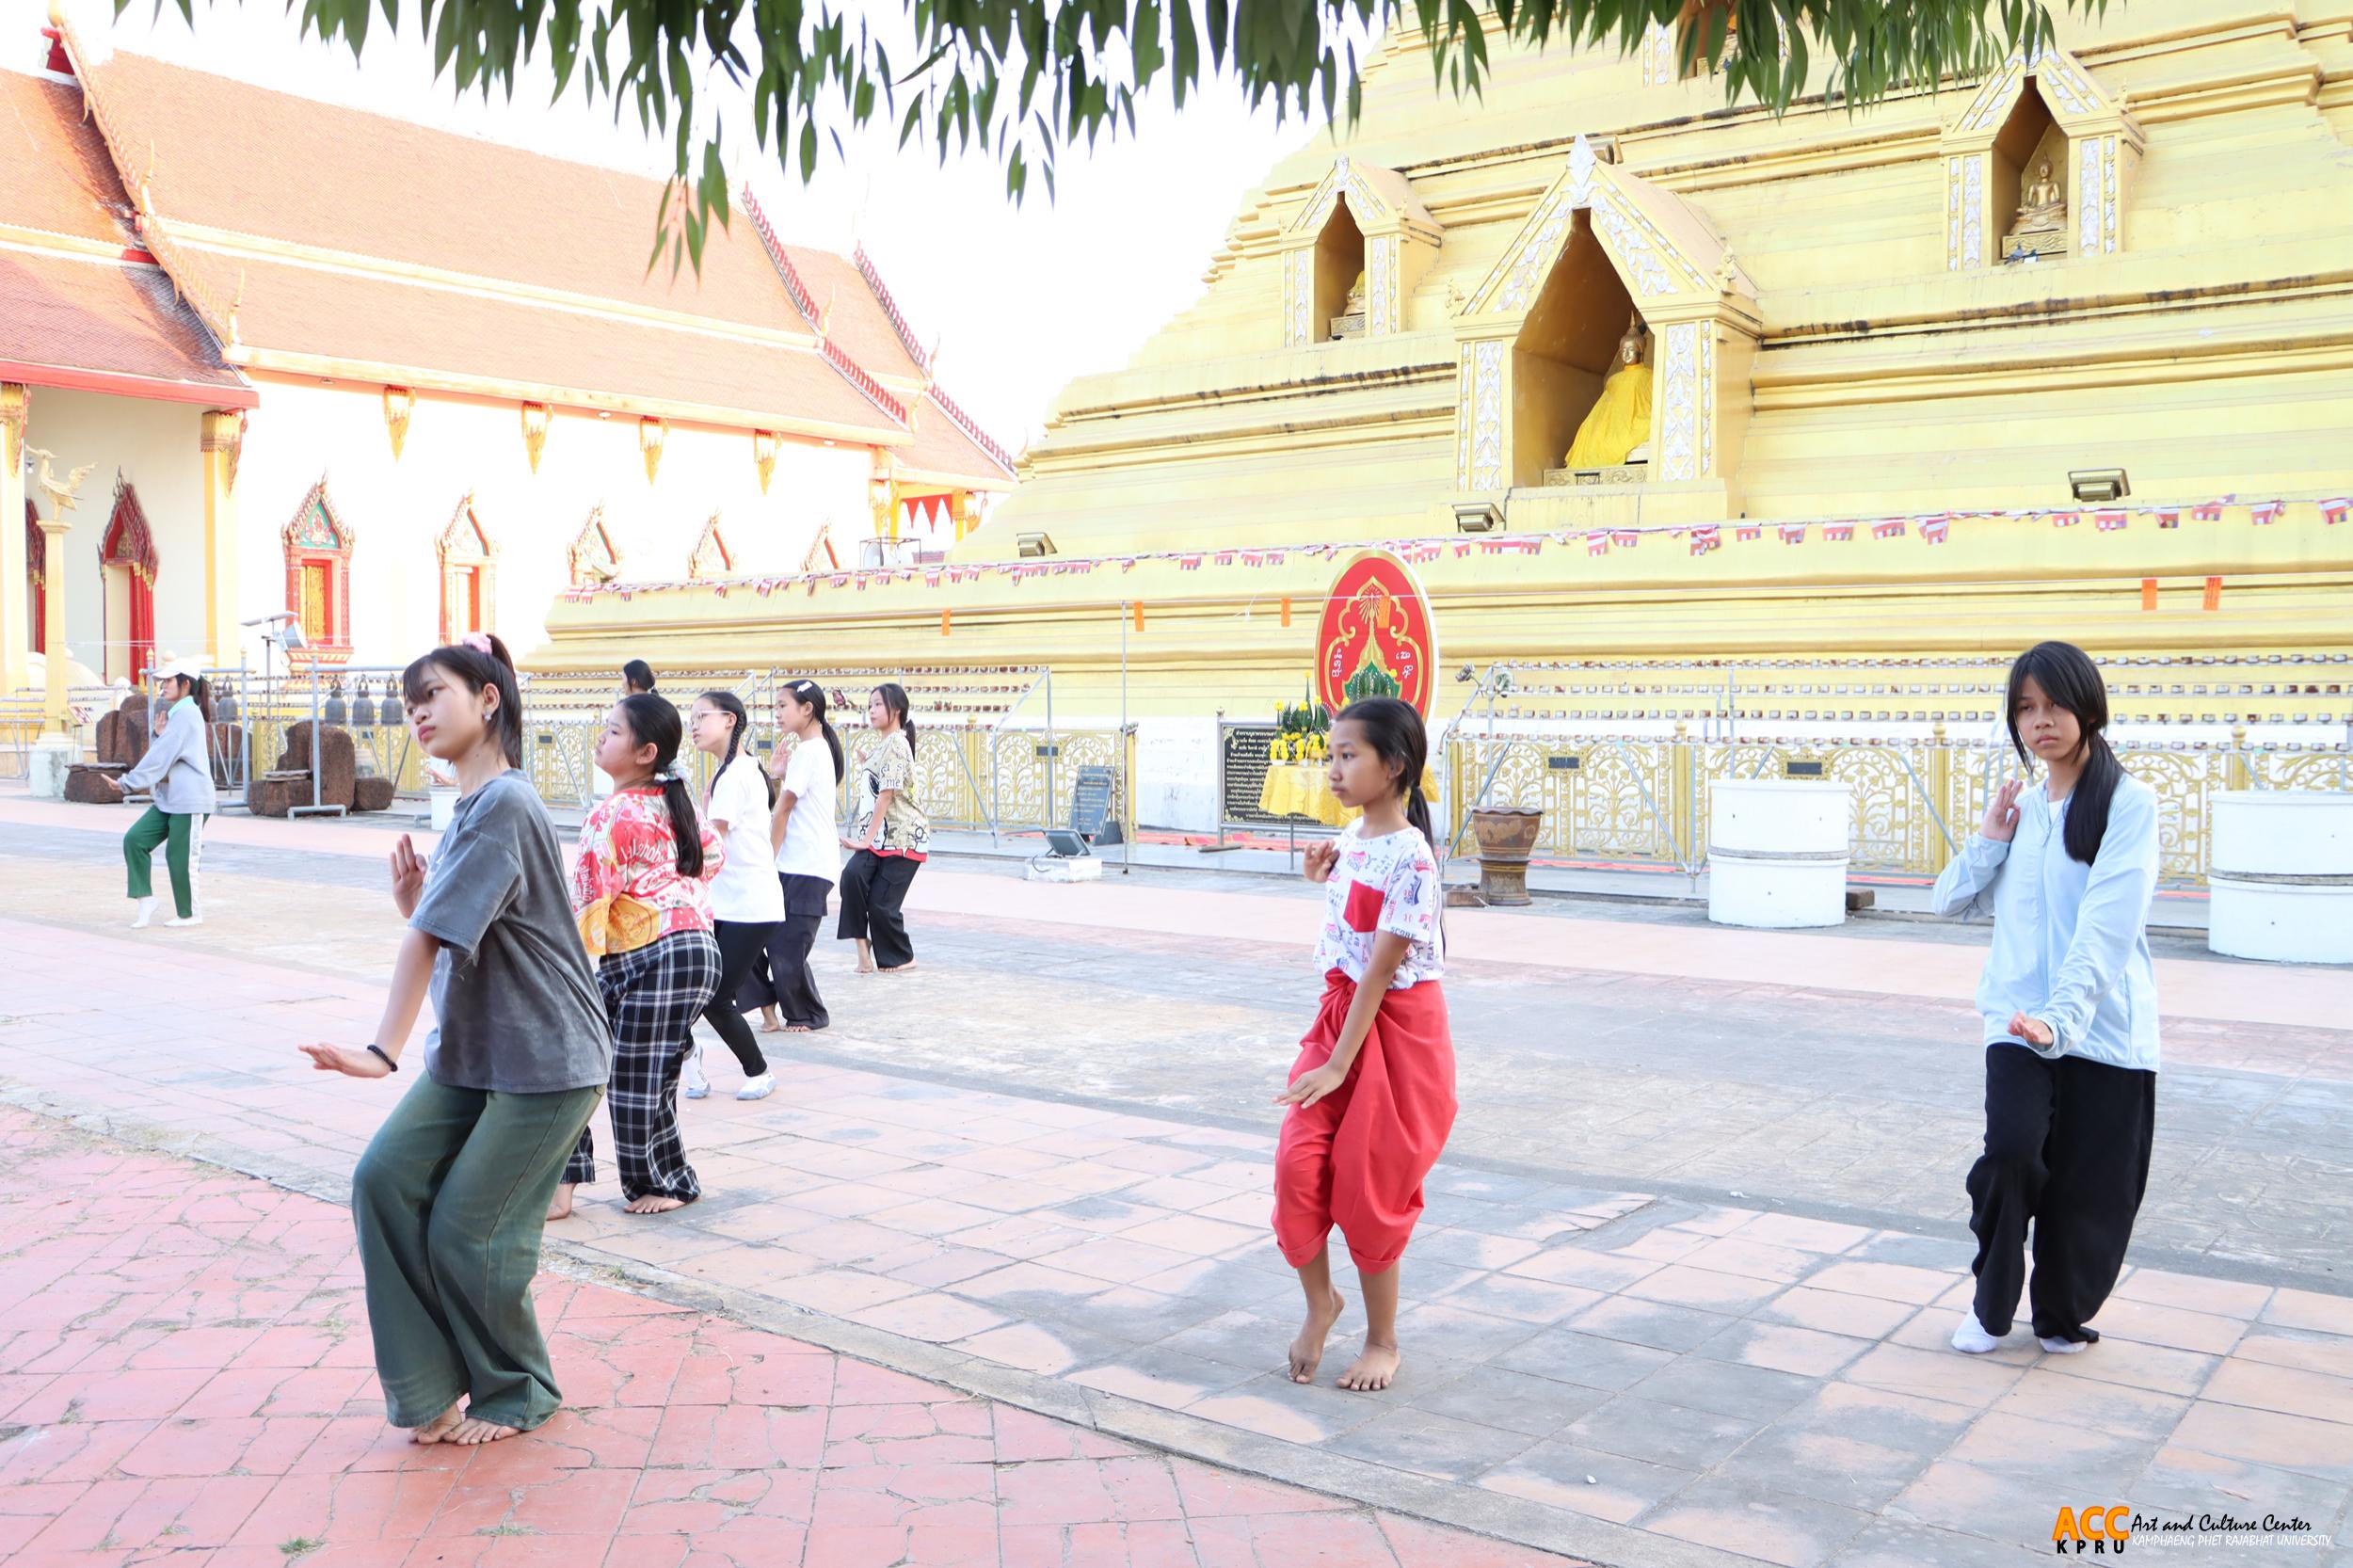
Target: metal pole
point(1127, 755)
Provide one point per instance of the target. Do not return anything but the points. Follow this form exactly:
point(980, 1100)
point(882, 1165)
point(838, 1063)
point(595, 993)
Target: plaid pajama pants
point(652, 997)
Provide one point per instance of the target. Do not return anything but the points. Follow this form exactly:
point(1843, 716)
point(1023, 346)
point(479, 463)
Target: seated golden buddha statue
point(1619, 423)
point(2041, 227)
point(1350, 323)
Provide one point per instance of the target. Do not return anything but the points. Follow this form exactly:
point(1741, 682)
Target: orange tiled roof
point(79, 305)
point(377, 272)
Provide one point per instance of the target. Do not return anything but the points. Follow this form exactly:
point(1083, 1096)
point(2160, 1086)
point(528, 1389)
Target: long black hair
point(807, 692)
point(2070, 678)
point(654, 722)
point(731, 705)
point(637, 676)
point(1394, 732)
point(895, 698)
point(477, 670)
point(199, 691)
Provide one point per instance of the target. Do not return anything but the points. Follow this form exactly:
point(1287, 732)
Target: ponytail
point(833, 744)
point(482, 663)
point(810, 694)
point(895, 698)
point(1417, 814)
point(654, 722)
point(200, 693)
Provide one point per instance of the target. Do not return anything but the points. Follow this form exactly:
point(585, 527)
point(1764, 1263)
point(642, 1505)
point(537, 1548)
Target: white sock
point(2066, 1347)
point(1970, 1339)
point(142, 911)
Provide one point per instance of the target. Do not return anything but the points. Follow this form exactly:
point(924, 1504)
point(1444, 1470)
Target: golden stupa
point(1880, 343)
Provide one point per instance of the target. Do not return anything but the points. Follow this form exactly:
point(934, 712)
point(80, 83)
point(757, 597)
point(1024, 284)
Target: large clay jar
point(1506, 836)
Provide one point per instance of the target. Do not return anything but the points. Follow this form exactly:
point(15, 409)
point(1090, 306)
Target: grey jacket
point(178, 768)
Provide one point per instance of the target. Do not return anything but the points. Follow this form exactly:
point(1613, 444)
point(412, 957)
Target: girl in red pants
point(1371, 1095)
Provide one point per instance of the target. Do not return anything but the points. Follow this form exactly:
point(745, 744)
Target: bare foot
point(795, 1029)
point(472, 1431)
point(653, 1202)
point(438, 1429)
point(768, 1024)
point(1374, 1371)
point(865, 956)
point(560, 1207)
point(900, 969)
point(1306, 1351)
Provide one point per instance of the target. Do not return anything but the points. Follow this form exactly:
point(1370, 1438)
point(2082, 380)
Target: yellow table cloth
point(1305, 790)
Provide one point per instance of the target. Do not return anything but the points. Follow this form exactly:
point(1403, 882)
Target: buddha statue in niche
point(2041, 227)
point(1350, 323)
point(1618, 426)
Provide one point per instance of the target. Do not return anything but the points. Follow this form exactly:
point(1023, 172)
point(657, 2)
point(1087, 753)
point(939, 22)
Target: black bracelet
point(377, 1051)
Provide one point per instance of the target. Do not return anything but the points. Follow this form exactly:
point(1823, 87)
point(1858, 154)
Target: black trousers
point(2067, 1147)
point(780, 977)
point(741, 942)
point(873, 888)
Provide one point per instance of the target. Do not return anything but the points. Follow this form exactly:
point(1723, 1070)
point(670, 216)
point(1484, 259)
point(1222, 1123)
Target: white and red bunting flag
point(1422, 555)
point(1462, 549)
point(1793, 533)
point(2109, 522)
point(1704, 538)
point(1933, 530)
point(1224, 557)
point(2207, 511)
point(2168, 517)
point(932, 579)
point(1624, 538)
point(812, 587)
point(2066, 519)
point(718, 590)
point(1188, 563)
point(1596, 544)
point(1892, 528)
point(839, 579)
point(1838, 533)
point(862, 581)
point(2335, 509)
point(1748, 531)
point(1127, 563)
point(2265, 513)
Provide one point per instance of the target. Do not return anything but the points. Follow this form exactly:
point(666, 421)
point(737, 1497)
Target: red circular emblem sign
point(1376, 637)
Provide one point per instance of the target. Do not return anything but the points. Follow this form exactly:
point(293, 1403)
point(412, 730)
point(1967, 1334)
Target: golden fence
point(1644, 799)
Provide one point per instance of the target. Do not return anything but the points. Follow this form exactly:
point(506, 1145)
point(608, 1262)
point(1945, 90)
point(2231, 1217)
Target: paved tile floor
point(1628, 1373)
point(184, 1379)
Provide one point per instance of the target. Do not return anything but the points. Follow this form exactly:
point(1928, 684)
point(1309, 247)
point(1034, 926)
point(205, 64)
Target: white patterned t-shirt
point(1391, 884)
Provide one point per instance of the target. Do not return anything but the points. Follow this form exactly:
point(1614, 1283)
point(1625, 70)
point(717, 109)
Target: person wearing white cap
point(177, 773)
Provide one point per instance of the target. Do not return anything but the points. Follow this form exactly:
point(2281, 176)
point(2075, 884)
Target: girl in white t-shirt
point(1372, 1094)
point(746, 906)
point(805, 835)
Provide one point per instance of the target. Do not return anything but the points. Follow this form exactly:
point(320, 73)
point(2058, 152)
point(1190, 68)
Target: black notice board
point(1091, 800)
point(1246, 762)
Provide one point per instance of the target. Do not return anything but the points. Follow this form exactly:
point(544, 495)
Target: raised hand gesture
point(408, 877)
point(2001, 812)
point(341, 1059)
point(1317, 859)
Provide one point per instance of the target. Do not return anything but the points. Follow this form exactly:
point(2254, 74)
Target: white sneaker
point(142, 912)
point(196, 919)
point(698, 1082)
point(1970, 1339)
point(758, 1088)
point(2065, 1347)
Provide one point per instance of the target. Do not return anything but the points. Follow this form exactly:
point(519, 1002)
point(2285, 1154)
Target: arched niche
point(1535, 340)
point(2031, 109)
point(1363, 219)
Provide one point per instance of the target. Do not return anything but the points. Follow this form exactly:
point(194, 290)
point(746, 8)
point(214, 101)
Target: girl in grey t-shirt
point(451, 1194)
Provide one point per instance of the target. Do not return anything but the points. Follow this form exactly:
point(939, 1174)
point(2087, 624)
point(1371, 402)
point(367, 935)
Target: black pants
point(2066, 1147)
point(874, 888)
point(780, 977)
point(741, 942)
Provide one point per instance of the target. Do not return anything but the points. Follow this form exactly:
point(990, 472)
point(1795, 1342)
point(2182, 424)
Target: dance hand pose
point(897, 838)
point(450, 1196)
point(2070, 1008)
point(643, 912)
point(746, 901)
point(1372, 1094)
point(177, 772)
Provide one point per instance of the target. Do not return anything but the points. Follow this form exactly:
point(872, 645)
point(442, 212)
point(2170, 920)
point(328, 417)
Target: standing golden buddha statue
point(1619, 422)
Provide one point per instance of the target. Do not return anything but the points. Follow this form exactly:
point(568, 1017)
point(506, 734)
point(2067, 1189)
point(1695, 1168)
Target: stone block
point(338, 764)
point(277, 793)
point(88, 785)
point(371, 795)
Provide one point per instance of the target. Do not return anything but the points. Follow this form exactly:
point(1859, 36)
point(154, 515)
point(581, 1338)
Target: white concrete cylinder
point(2279, 867)
point(1777, 852)
point(444, 800)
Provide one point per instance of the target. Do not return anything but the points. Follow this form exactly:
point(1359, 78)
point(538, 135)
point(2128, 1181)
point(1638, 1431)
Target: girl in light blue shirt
point(2070, 1003)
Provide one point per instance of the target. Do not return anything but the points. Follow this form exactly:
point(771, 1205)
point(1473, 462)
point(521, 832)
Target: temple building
point(402, 384)
point(1622, 371)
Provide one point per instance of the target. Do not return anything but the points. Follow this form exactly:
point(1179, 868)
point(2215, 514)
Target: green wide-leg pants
point(449, 1201)
point(177, 831)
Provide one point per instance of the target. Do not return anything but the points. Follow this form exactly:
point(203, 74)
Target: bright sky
point(1020, 300)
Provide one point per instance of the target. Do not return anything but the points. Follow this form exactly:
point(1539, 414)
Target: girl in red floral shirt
point(639, 892)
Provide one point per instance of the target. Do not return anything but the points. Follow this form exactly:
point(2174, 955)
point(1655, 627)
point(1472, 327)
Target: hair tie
point(478, 641)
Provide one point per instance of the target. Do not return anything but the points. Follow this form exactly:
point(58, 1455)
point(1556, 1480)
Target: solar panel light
point(2099, 484)
point(1034, 544)
point(1477, 516)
